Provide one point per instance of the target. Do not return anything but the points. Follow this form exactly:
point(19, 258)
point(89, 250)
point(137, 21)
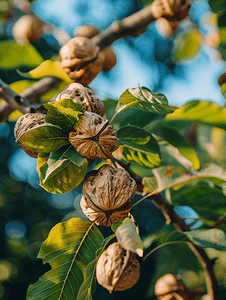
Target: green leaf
point(176, 139)
point(13, 55)
point(139, 146)
point(182, 50)
point(203, 112)
point(48, 68)
point(44, 139)
point(88, 286)
point(172, 177)
point(172, 157)
point(128, 237)
point(64, 113)
point(58, 174)
point(115, 226)
point(69, 248)
point(210, 238)
point(143, 99)
point(208, 202)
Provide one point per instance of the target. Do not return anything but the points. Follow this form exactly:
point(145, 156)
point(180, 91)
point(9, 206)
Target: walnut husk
point(27, 29)
point(93, 137)
point(80, 59)
point(84, 96)
point(170, 287)
point(107, 195)
point(24, 124)
point(117, 269)
point(173, 10)
point(108, 55)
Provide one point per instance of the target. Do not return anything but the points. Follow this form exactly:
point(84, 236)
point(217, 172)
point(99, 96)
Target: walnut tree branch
point(172, 217)
point(32, 95)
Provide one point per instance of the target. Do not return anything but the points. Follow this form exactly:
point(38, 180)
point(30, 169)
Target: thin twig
point(32, 94)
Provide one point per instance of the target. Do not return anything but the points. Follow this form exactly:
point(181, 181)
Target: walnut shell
point(26, 123)
point(108, 55)
point(86, 30)
point(27, 29)
point(93, 137)
point(174, 10)
point(84, 96)
point(117, 269)
point(170, 287)
point(80, 59)
point(107, 195)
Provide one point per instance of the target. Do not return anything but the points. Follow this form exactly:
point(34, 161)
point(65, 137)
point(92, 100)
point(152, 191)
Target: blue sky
point(200, 75)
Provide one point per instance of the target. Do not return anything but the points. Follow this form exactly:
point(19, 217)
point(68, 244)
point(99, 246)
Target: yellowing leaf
point(128, 237)
point(13, 56)
point(48, 68)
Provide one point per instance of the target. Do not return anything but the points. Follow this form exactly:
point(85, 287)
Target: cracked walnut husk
point(93, 137)
point(81, 60)
point(117, 269)
point(84, 96)
point(107, 195)
point(24, 124)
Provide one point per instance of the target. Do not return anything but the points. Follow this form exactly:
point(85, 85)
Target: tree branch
point(172, 217)
point(32, 95)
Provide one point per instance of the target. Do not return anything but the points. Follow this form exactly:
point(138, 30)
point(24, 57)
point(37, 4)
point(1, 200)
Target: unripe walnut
point(108, 55)
point(107, 195)
point(117, 269)
point(27, 29)
point(170, 287)
point(84, 96)
point(24, 124)
point(80, 59)
point(93, 137)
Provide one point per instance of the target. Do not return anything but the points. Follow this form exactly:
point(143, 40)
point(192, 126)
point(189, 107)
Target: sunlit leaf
point(203, 112)
point(64, 113)
point(115, 226)
point(172, 177)
point(13, 55)
point(139, 146)
point(176, 139)
point(128, 237)
point(187, 45)
point(44, 139)
point(144, 99)
point(48, 68)
point(88, 286)
point(69, 248)
point(57, 171)
point(206, 238)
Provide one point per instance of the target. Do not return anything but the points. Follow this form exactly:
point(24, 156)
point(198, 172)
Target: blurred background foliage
point(183, 63)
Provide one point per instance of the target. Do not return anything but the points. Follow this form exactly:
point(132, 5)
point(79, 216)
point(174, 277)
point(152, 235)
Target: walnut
point(173, 10)
point(24, 124)
point(83, 95)
point(117, 269)
point(80, 59)
point(108, 55)
point(86, 30)
point(93, 137)
point(107, 195)
point(170, 287)
point(27, 29)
